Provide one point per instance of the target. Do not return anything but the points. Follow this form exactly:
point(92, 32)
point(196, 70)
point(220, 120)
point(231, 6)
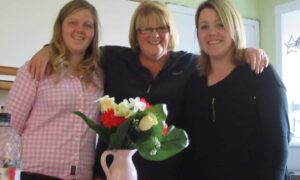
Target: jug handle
point(104, 164)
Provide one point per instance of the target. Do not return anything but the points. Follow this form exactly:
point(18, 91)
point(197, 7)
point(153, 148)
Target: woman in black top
point(237, 121)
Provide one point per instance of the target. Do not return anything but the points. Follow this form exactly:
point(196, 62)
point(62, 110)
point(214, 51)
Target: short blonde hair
point(146, 11)
point(89, 64)
point(232, 21)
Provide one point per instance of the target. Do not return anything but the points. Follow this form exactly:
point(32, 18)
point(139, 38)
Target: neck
point(153, 65)
point(220, 68)
point(74, 60)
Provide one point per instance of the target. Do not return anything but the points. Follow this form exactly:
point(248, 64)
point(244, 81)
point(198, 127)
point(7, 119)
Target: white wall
point(27, 25)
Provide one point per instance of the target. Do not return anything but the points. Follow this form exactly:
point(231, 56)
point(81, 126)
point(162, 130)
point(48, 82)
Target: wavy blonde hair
point(152, 10)
point(232, 21)
point(59, 52)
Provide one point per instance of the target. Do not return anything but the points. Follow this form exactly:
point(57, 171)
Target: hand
point(257, 58)
point(38, 65)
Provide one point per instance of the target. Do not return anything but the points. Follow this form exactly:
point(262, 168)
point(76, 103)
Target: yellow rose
point(147, 122)
point(123, 109)
point(107, 103)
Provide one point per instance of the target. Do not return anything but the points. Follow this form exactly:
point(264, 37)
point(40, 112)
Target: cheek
point(166, 39)
point(66, 31)
point(90, 35)
point(141, 40)
point(201, 37)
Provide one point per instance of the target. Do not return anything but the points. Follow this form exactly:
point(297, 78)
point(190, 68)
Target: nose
point(80, 28)
point(154, 33)
point(212, 31)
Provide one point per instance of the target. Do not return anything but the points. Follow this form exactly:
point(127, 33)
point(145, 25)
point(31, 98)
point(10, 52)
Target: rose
point(107, 103)
point(109, 120)
point(147, 122)
point(123, 109)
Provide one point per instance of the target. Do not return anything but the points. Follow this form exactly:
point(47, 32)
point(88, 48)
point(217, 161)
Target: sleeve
point(21, 98)
point(273, 113)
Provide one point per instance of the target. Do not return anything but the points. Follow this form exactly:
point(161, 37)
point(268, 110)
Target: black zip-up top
point(125, 77)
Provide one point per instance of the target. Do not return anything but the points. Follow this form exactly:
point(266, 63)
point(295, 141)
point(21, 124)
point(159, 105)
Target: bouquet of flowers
point(135, 124)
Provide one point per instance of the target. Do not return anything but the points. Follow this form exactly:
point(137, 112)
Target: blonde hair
point(232, 21)
point(152, 10)
point(88, 66)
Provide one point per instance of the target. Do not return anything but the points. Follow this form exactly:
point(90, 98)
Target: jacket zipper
point(213, 107)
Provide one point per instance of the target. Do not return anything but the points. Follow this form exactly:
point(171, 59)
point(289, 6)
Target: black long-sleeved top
point(125, 77)
point(239, 127)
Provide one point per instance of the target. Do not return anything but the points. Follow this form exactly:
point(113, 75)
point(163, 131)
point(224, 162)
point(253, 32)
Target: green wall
point(267, 30)
point(262, 10)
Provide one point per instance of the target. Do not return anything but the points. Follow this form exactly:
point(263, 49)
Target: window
point(288, 60)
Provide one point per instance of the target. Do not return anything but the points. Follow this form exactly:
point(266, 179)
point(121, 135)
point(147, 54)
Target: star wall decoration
point(292, 45)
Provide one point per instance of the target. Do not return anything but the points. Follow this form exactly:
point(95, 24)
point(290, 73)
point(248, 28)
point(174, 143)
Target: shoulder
point(115, 49)
point(184, 59)
point(269, 77)
point(24, 72)
point(116, 53)
point(184, 55)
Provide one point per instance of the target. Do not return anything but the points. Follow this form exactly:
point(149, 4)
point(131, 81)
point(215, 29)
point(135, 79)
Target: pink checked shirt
point(55, 142)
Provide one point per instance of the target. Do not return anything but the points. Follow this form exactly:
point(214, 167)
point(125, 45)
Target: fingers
point(42, 70)
point(253, 61)
point(258, 59)
point(258, 63)
point(32, 69)
point(38, 65)
point(262, 62)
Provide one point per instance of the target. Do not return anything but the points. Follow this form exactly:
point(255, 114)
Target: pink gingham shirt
point(55, 142)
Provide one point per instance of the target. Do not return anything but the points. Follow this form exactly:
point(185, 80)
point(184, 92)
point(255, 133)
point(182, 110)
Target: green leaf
point(102, 131)
point(119, 139)
point(174, 142)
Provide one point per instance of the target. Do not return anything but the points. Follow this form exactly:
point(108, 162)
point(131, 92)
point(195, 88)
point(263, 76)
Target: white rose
point(107, 103)
point(136, 104)
point(123, 108)
point(147, 122)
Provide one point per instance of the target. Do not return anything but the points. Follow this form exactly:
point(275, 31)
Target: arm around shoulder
point(38, 64)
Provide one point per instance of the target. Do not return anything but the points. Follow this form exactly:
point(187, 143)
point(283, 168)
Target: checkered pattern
point(54, 140)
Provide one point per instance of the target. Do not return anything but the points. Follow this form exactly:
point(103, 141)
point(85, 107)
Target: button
point(73, 170)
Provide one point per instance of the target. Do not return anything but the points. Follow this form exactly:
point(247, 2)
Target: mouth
point(213, 42)
point(154, 42)
point(80, 38)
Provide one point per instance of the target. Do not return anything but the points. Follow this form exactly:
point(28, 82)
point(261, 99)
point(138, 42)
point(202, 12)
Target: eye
point(203, 26)
point(89, 25)
point(162, 29)
point(72, 22)
point(220, 25)
point(148, 30)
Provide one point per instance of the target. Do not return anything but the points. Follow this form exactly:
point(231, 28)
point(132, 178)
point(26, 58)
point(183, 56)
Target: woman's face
point(78, 31)
point(213, 37)
point(153, 40)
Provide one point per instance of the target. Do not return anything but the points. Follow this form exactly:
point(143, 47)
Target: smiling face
point(153, 45)
point(78, 31)
point(213, 37)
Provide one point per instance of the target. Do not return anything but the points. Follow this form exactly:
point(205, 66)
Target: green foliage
point(151, 144)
